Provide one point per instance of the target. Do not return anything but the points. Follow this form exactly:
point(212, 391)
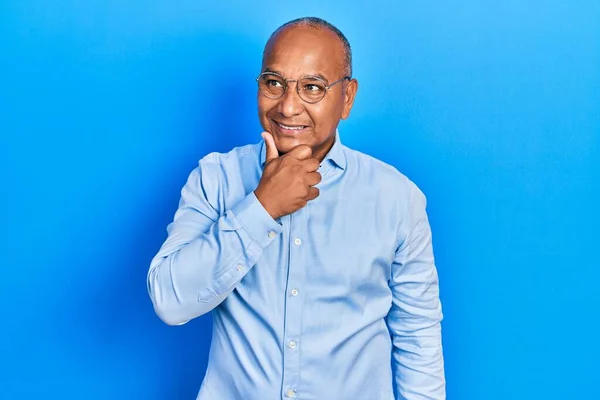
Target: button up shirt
point(336, 301)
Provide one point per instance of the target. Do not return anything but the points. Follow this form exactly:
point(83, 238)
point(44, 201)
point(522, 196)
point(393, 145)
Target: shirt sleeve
point(206, 254)
point(415, 317)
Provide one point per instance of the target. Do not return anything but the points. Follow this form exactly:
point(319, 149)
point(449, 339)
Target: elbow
point(168, 306)
point(181, 313)
point(175, 305)
point(173, 310)
point(170, 316)
point(176, 313)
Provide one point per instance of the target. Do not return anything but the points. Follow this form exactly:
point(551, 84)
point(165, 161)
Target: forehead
point(300, 50)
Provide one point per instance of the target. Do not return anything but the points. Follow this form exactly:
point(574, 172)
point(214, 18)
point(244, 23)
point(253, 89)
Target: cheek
point(321, 116)
point(317, 113)
point(265, 107)
point(262, 109)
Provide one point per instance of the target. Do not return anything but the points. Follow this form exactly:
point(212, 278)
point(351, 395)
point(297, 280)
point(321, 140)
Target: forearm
point(418, 365)
point(415, 322)
point(194, 272)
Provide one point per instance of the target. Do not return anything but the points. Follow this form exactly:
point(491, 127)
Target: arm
point(206, 254)
point(415, 316)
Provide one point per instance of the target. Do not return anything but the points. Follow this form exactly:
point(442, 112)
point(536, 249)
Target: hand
point(287, 181)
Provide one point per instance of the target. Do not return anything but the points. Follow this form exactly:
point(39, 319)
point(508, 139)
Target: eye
point(274, 83)
point(311, 87)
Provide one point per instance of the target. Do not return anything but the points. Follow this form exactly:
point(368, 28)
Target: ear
point(349, 94)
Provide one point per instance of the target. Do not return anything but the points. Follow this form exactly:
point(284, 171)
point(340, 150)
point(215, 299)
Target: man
point(315, 259)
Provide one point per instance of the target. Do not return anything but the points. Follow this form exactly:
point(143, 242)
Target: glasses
point(310, 89)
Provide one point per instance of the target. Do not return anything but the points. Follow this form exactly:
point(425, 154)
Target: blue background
point(492, 108)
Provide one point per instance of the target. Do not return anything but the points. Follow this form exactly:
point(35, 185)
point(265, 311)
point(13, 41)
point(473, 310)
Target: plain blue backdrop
point(491, 107)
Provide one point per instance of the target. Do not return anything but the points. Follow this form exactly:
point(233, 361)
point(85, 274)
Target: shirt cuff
point(256, 221)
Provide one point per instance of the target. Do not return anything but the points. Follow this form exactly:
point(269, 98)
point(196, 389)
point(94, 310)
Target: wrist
point(265, 203)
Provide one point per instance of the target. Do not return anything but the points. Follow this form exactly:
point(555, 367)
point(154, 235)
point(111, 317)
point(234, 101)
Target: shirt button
point(294, 292)
point(298, 241)
point(292, 345)
point(271, 235)
point(290, 393)
point(240, 267)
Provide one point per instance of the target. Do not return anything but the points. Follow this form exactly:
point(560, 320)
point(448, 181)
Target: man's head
point(306, 48)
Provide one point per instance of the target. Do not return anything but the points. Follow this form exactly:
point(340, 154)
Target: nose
point(290, 104)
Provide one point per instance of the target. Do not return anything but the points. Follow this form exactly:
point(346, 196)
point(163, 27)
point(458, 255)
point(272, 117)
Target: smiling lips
point(292, 129)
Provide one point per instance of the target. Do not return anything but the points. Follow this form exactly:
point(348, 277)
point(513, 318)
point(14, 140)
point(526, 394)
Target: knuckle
point(306, 150)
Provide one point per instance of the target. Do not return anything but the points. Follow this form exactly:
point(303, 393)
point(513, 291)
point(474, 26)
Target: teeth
point(292, 128)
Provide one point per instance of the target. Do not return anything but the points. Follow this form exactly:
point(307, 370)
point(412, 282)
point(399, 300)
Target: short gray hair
point(319, 23)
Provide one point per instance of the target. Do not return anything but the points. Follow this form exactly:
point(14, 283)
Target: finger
point(272, 152)
point(311, 164)
point(313, 193)
point(313, 178)
point(301, 152)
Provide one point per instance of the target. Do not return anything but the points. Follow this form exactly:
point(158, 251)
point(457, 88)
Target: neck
point(321, 152)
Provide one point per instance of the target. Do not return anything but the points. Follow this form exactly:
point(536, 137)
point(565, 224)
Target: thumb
point(272, 152)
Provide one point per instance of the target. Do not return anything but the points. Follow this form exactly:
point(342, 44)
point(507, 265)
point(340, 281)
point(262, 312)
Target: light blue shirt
point(337, 301)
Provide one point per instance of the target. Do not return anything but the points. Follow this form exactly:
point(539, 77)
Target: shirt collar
point(335, 154)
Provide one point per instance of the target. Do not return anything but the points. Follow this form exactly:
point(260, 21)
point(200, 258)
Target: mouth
point(290, 130)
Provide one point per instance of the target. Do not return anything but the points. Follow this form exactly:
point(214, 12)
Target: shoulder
point(218, 165)
point(233, 156)
point(402, 200)
point(382, 175)
point(217, 172)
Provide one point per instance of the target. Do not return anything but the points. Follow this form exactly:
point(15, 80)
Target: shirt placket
point(294, 304)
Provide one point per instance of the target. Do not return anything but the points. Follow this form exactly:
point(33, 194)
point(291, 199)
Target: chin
point(286, 143)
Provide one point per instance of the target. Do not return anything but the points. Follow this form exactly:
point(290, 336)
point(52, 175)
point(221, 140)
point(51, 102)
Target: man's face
point(296, 52)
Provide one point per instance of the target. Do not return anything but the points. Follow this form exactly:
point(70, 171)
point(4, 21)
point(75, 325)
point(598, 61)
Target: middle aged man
point(315, 259)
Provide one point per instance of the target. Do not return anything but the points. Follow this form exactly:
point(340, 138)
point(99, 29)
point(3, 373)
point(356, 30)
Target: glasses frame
point(327, 87)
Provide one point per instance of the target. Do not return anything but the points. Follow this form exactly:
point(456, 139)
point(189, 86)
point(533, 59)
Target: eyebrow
point(317, 75)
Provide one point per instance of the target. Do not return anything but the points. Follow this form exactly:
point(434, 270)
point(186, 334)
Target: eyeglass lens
point(310, 90)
